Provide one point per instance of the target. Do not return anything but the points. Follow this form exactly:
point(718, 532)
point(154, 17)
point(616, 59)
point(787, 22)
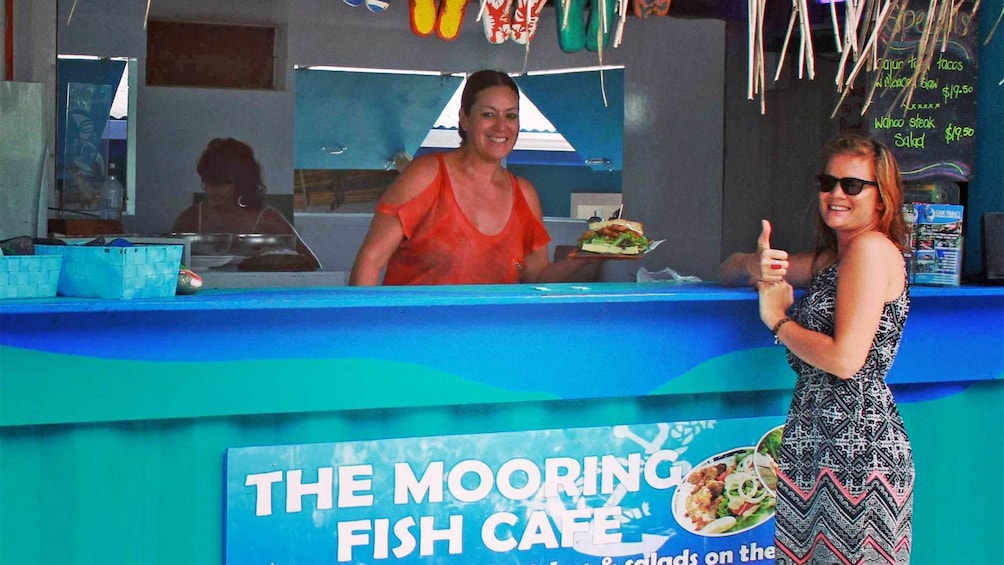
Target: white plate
point(766, 466)
point(679, 503)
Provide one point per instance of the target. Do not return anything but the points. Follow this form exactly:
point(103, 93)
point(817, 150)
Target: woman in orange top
point(459, 217)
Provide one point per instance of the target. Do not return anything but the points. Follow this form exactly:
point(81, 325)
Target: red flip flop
point(524, 21)
point(496, 20)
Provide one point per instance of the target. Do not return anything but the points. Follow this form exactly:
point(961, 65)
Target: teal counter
point(115, 416)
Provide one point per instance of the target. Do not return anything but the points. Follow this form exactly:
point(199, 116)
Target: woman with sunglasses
point(845, 486)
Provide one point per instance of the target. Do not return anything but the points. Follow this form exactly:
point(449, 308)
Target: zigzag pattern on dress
point(831, 557)
point(830, 524)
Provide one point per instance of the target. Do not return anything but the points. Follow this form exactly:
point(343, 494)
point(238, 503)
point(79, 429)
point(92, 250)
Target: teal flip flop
point(596, 34)
point(571, 16)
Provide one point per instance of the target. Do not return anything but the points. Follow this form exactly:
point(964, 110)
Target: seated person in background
point(459, 217)
point(234, 203)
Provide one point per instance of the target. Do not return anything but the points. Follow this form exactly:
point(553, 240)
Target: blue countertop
point(459, 295)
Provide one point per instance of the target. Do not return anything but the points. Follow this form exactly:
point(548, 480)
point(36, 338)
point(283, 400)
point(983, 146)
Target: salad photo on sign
point(723, 495)
point(766, 457)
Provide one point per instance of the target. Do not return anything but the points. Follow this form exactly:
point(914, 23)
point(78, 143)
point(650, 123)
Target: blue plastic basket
point(140, 271)
point(29, 276)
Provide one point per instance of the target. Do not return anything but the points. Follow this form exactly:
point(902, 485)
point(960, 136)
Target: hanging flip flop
point(645, 8)
point(376, 6)
point(622, 11)
point(423, 16)
point(524, 20)
point(601, 22)
point(571, 24)
point(497, 15)
point(451, 15)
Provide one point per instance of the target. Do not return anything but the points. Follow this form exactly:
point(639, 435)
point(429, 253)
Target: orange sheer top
point(442, 246)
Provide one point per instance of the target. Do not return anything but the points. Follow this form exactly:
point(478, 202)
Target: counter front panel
point(116, 416)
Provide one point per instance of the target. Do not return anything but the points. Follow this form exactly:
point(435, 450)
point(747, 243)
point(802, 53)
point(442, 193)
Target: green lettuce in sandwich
point(614, 237)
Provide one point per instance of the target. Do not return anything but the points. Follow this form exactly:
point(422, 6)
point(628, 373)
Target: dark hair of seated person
point(230, 161)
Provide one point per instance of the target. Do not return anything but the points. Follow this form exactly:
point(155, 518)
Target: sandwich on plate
point(614, 237)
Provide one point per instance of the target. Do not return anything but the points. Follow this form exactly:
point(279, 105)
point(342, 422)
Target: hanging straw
point(836, 27)
point(622, 6)
point(70, 17)
point(756, 83)
point(600, 31)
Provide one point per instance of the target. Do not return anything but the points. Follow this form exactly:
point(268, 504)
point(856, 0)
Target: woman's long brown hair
point(890, 187)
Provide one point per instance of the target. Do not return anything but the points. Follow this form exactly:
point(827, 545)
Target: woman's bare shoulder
point(526, 185)
point(529, 194)
point(872, 245)
point(877, 258)
point(413, 180)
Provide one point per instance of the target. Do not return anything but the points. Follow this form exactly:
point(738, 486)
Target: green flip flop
point(601, 24)
point(571, 24)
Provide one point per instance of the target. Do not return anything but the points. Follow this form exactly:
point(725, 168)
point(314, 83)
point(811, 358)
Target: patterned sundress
point(845, 490)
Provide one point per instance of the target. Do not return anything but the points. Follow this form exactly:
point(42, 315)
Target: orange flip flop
point(524, 21)
point(451, 15)
point(423, 16)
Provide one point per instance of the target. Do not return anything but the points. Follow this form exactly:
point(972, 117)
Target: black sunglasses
point(850, 185)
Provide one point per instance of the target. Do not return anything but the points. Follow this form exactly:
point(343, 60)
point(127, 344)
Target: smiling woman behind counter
point(459, 217)
point(234, 203)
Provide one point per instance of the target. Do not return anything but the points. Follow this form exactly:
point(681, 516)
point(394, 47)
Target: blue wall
point(555, 185)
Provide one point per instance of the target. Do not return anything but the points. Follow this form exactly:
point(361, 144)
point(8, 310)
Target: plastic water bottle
point(112, 192)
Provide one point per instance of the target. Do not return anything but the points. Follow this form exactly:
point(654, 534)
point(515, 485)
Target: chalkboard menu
point(933, 137)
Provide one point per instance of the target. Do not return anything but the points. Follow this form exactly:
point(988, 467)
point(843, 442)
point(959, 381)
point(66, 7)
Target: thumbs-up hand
point(771, 264)
point(763, 242)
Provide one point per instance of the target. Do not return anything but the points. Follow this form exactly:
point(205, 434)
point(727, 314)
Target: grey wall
point(34, 49)
point(673, 141)
point(34, 42)
point(770, 159)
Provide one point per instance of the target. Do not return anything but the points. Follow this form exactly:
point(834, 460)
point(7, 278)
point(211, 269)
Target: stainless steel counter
point(213, 279)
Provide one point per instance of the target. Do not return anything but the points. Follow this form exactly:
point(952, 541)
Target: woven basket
point(29, 276)
point(140, 271)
